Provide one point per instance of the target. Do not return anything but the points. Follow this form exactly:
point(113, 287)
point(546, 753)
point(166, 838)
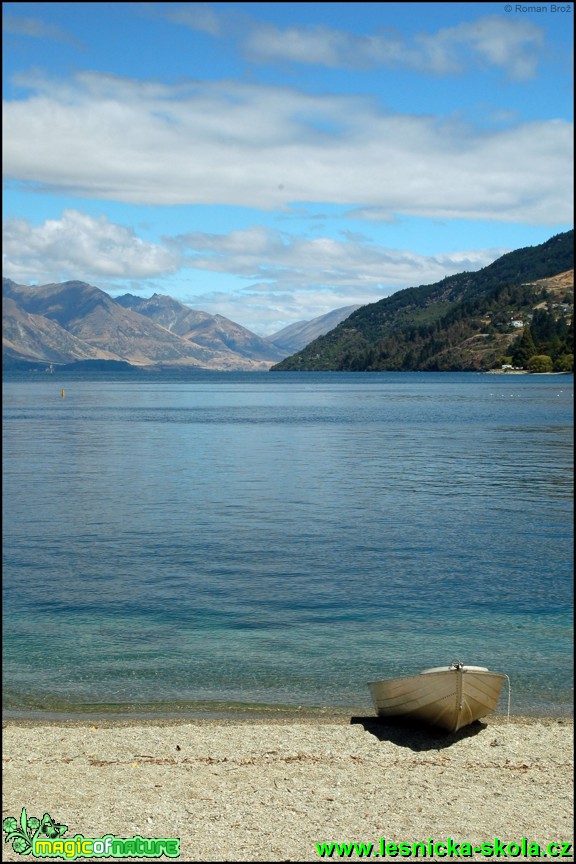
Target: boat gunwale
point(469, 671)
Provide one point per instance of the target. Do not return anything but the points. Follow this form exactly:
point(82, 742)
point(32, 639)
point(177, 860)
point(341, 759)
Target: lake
point(199, 543)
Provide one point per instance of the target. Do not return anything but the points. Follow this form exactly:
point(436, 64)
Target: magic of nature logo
point(44, 838)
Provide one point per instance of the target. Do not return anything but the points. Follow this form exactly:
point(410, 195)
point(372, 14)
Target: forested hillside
point(517, 308)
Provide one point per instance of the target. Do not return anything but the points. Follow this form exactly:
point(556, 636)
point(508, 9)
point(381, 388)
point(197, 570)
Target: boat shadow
point(414, 735)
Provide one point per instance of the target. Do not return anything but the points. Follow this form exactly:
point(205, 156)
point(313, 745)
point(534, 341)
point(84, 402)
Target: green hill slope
point(469, 321)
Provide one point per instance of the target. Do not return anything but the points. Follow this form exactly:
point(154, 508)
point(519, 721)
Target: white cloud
point(197, 16)
point(267, 147)
point(284, 263)
point(509, 44)
point(15, 25)
point(78, 246)
point(319, 46)
point(512, 46)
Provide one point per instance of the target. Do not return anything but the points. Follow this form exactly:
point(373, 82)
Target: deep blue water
point(183, 545)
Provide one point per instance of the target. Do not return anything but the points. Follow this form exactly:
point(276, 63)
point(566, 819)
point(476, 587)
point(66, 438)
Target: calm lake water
point(187, 546)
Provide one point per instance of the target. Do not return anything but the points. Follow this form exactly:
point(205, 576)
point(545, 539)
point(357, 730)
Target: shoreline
point(277, 718)
point(220, 713)
point(270, 790)
point(180, 713)
point(522, 372)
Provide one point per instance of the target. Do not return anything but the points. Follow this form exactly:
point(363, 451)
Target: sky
point(272, 162)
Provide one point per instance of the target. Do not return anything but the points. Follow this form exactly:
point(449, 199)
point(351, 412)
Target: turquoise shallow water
point(193, 545)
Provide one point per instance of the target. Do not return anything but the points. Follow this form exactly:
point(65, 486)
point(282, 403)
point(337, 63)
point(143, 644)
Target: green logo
point(24, 834)
point(44, 838)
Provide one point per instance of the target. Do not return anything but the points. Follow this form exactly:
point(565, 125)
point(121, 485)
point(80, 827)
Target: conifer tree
point(524, 349)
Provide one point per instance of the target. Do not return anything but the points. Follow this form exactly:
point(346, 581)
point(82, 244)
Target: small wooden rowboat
point(447, 696)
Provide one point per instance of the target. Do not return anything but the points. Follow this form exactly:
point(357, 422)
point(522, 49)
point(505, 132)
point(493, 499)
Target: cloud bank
point(268, 147)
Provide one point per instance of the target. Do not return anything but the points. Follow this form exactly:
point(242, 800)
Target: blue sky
point(271, 162)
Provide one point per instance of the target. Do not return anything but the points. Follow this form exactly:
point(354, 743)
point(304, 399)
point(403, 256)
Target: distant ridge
point(296, 336)
point(212, 332)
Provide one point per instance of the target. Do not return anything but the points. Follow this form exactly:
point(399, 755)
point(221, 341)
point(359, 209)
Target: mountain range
point(71, 322)
point(520, 306)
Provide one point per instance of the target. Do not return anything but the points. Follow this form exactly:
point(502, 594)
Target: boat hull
point(449, 698)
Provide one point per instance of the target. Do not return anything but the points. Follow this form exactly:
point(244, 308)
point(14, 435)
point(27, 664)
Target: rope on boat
point(508, 680)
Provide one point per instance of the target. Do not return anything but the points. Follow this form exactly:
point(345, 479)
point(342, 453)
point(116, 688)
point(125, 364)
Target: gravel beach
point(270, 790)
